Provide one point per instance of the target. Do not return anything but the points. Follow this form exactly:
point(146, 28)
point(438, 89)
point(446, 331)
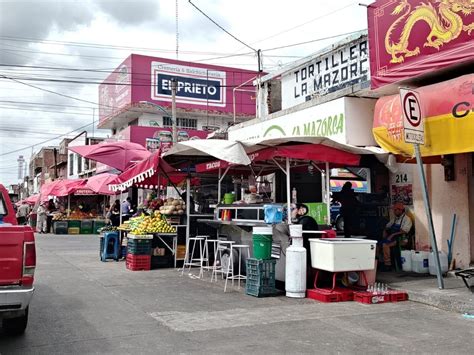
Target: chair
point(396, 252)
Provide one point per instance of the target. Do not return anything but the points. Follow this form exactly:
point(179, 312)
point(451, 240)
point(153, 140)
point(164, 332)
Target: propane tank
point(295, 273)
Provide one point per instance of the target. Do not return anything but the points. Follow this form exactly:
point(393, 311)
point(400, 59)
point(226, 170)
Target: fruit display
point(173, 206)
point(124, 226)
point(154, 223)
point(58, 216)
point(107, 228)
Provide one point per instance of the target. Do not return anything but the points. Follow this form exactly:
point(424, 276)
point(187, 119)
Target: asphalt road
point(82, 305)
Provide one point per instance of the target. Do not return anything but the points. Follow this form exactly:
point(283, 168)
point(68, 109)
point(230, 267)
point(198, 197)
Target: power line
point(48, 140)
point(222, 28)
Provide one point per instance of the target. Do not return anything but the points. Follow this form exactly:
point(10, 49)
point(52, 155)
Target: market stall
point(162, 217)
point(74, 208)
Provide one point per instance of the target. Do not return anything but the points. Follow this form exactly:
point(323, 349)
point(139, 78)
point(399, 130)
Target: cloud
point(128, 12)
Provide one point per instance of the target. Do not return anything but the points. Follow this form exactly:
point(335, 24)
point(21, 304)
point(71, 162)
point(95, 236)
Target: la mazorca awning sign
point(345, 120)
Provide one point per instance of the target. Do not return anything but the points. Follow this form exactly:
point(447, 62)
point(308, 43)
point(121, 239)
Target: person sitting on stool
point(397, 229)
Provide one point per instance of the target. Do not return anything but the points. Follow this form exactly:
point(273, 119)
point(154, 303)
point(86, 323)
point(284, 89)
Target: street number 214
point(400, 178)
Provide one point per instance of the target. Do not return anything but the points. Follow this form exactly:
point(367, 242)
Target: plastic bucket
point(262, 242)
point(228, 198)
point(407, 256)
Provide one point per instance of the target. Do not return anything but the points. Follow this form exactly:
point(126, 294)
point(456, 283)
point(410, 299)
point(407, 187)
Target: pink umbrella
point(99, 183)
point(61, 187)
point(119, 155)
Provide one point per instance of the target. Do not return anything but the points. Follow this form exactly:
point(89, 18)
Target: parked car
point(17, 268)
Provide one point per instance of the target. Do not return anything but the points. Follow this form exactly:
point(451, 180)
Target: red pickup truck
point(17, 268)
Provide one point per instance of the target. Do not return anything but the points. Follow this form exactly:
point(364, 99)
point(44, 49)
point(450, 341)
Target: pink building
point(138, 92)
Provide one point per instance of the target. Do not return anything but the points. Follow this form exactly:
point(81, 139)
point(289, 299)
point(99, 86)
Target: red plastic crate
point(328, 295)
point(398, 296)
point(370, 298)
point(138, 262)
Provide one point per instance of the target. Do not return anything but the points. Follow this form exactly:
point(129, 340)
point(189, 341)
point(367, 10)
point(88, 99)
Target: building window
point(87, 164)
point(71, 164)
point(167, 122)
point(190, 123)
point(186, 123)
point(79, 164)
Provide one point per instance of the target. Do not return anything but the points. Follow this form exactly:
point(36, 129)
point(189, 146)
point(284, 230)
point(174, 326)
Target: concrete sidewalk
point(424, 289)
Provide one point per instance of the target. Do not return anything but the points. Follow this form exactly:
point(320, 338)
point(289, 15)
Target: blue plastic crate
point(261, 272)
point(260, 291)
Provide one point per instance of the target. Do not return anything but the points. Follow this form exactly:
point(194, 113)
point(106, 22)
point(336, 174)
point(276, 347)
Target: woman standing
point(115, 213)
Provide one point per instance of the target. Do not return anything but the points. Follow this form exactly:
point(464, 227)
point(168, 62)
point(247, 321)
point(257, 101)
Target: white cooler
point(342, 254)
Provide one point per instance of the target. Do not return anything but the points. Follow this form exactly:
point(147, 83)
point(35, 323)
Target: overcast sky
point(71, 36)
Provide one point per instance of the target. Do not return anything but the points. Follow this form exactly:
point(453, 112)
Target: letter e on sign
point(413, 122)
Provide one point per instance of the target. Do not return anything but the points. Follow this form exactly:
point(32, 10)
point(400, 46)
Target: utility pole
point(173, 110)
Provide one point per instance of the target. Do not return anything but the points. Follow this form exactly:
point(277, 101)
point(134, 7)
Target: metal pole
point(219, 187)
point(188, 211)
point(429, 217)
point(328, 195)
point(120, 208)
point(68, 205)
point(288, 192)
point(173, 110)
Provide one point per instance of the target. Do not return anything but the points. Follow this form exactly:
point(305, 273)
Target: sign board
point(413, 37)
point(327, 72)
point(345, 120)
point(413, 123)
point(197, 86)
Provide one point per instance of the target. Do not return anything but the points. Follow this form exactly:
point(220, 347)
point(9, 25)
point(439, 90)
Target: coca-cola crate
point(138, 262)
point(398, 296)
point(370, 298)
point(327, 295)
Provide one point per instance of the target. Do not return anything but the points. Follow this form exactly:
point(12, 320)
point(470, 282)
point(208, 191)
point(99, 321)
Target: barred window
point(189, 123)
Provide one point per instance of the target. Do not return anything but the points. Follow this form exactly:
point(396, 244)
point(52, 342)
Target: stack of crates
point(97, 224)
point(60, 227)
point(138, 254)
point(86, 226)
point(74, 227)
point(260, 277)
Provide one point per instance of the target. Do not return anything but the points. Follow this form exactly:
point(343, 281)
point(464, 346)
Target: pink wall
point(139, 134)
point(115, 92)
point(191, 97)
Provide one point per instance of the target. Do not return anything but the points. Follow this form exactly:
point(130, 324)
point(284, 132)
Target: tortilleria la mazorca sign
point(342, 67)
point(196, 86)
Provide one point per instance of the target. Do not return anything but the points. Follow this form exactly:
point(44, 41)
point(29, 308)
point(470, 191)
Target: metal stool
point(221, 246)
point(189, 259)
point(238, 276)
point(213, 243)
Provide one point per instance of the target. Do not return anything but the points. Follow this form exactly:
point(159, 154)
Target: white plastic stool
point(238, 276)
point(221, 246)
point(189, 259)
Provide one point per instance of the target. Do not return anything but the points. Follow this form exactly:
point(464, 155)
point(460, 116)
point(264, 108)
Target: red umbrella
point(145, 174)
point(119, 155)
point(99, 183)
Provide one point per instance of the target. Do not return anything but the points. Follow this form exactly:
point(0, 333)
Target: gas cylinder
point(295, 270)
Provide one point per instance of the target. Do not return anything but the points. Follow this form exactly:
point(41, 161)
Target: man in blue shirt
point(126, 206)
